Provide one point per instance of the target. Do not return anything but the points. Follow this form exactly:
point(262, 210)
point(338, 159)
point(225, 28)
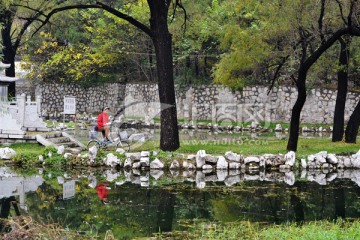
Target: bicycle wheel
point(93, 143)
point(124, 145)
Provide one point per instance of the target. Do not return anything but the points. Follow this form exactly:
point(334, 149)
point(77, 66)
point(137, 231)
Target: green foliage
point(101, 154)
point(24, 158)
point(189, 78)
point(246, 38)
point(31, 158)
point(235, 43)
point(68, 64)
point(99, 47)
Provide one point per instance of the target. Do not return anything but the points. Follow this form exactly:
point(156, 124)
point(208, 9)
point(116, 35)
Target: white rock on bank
point(200, 158)
point(112, 160)
point(156, 164)
point(303, 163)
point(290, 158)
point(61, 150)
point(251, 160)
point(232, 156)
point(331, 158)
point(222, 163)
point(7, 153)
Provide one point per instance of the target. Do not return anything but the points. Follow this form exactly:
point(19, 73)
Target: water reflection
point(13, 189)
point(102, 191)
point(6, 204)
point(208, 135)
point(144, 202)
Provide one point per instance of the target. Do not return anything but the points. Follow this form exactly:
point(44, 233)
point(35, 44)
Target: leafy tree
point(15, 21)
point(257, 49)
point(251, 40)
point(195, 48)
point(321, 40)
point(83, 63)
point(108, 47)
point(159, 33)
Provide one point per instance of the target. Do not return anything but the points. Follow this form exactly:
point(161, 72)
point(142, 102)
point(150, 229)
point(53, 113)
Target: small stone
point(156, 164)
point(290, 158)
point(251, 159)
point(222, 163)
point(175, 164)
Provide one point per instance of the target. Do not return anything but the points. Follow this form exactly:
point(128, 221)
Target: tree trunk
point(305, 64)
point(338, 127)
point(296, 111)
point(169, 134)
point(352, 127)
point(10, 72)
point(196, 62)
point(151, 62)
point(7, 50)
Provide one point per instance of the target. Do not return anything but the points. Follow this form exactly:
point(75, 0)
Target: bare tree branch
point(351, 13)
point(30, 8)
point(126, 17)
point(320, 20)
point(277, 72)
point(179, 4)
point(341, 11)
point(56, 10)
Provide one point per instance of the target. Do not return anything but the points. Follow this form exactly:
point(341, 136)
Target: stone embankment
point(231, 168)
point(203, 161)
point(202, 177)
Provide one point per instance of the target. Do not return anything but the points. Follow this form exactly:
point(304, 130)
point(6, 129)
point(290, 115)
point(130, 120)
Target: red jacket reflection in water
point(102, 192)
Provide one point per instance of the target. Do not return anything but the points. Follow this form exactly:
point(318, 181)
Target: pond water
point(200, 134)
point(141, 203)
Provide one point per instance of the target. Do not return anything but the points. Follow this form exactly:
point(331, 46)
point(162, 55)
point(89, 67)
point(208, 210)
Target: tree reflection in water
point(6, 204)
point(169, 203)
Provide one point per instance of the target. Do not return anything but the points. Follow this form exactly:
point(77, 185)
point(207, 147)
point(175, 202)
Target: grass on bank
point(25, 227)
point(258, 147)
point(337, 230)
point(306, 146)
point(28, 148)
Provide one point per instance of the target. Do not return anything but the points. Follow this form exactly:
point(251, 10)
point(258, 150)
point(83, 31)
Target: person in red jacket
point(102, 120)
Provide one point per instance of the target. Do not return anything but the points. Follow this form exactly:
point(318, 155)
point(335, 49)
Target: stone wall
point(210, 102)
point(89, 100)
point(252, 104)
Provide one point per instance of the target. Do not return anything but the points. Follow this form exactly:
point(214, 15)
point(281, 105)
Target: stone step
point(67, 145)
point(59, 140)
point(52, 135)
point(73, 150)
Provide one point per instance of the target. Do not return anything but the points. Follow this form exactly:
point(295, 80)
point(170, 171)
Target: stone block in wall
point(16, 136)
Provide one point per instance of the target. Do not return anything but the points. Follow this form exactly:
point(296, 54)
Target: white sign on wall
point(69, 105)
point(69, 190)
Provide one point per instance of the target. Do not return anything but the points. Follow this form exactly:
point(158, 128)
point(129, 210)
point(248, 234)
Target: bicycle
point(121, 141)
